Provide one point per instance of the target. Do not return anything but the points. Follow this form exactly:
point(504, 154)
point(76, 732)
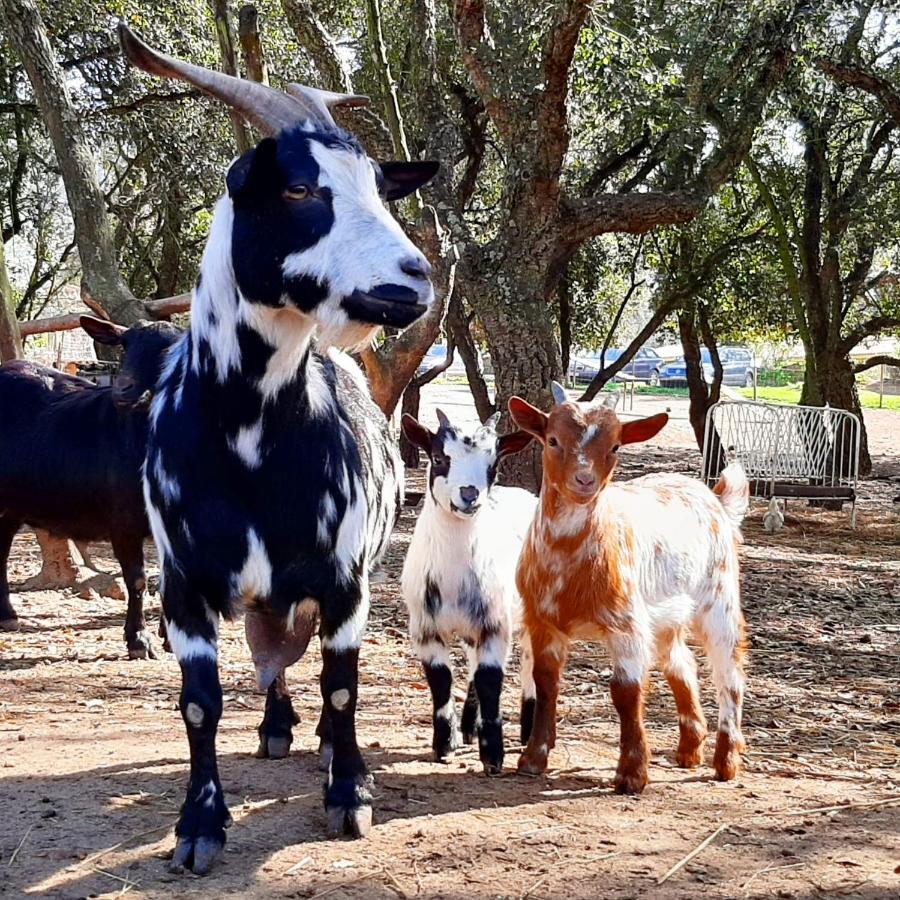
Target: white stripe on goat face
point(472, 464)
point(363, 249)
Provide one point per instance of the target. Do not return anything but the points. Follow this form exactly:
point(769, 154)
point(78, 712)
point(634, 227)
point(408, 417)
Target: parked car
point(645, 365)
point(737, 368)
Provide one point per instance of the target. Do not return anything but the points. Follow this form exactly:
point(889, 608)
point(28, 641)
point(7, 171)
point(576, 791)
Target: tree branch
point(858, 77)
point(552, 116)
point(587, 217)
point(314, 38)
point(873, 361)
point(475, 49)
point(867, 329)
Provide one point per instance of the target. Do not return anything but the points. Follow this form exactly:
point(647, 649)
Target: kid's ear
point(416, 434)
point(528, 417)
point(643, 429)
point(514, 442)
point(102, 330)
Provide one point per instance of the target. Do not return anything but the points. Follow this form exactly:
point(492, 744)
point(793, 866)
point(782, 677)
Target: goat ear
point(102, 330)
point(528, 417)
point(416, 434)
point(402, 178)
point(643, 429)
point(256, 170)
point(491, 422)
point(514, 442)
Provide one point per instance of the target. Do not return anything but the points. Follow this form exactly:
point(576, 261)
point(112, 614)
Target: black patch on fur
point(432, 597)
point(488, 686)
point(445, 738)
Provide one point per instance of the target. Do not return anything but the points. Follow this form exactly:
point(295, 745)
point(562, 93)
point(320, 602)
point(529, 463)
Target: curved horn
point(559, 393)
point(492, 422)
point(268, 109)
point(443, 421)
point(320, 103)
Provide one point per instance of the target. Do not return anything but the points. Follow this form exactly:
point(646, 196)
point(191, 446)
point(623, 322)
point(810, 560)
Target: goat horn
point(320, 103)
point(559, 393)
point(270, 110)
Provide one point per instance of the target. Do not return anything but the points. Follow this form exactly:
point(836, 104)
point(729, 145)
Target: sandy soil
point(93, 757)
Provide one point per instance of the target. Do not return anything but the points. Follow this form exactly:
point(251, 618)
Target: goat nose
point(585, 479)
point(468, 494)
point(416, 267)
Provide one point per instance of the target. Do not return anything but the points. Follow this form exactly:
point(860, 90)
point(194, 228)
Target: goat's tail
point(733, 491)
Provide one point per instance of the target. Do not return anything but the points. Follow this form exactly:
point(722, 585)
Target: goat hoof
point(493, 770)
point(140, 648)
point(326, 751)
point(277, 747)
point(196, 854)
point(529, 766)
point(689, 759)
point(727, 759)
point(9, 624)
point(356, 822)
point(630, 783)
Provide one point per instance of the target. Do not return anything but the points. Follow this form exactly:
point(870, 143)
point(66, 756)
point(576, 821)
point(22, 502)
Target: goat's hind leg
point(680, 668)
point(469, 723)
point(348, 788)
point(276, 729)
point(129, 551)
point(529, 695)
point(722, 625)
point(9, 621)
point(200, 829)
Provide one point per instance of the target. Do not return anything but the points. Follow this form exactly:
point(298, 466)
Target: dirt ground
point(93, 756)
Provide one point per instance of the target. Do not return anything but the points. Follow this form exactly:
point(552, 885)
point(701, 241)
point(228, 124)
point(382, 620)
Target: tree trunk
point(458, 327)
point(835, 385)
point(411, 397)
point(698, 392)
point(101, 278)
point(518, 321)
point(10, 339)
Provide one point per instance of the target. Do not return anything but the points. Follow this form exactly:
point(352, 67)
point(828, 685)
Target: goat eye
point(297, 192)
point(553, 442)
point(615, 448)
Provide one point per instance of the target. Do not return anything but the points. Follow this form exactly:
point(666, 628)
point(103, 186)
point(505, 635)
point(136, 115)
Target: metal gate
point(786, 451)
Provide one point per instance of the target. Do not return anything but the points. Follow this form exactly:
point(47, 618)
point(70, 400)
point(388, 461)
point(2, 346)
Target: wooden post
point(229, 66)
point(10, 338)
point(881, 392)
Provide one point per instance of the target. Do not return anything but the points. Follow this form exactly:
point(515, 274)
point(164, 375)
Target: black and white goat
point(71, 455)
point(459, 580)
point(271, 481)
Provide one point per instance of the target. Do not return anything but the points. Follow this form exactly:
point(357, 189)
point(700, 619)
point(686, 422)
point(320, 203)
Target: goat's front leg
point(435, 657)
point(630, 665)
point(549, 650)
point(348, 788)
point(200, 829)
point(9, 621)
point(129, 551)
point(488, 680)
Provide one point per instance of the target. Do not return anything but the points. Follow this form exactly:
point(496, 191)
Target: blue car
point(738, 368)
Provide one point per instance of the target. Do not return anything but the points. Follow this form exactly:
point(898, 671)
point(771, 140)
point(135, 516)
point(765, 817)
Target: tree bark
point(225, 37)
point(251, 44)
point(10, 338)
point(101, 278)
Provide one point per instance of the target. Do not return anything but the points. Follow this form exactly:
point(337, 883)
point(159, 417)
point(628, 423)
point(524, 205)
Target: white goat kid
point(459, 580)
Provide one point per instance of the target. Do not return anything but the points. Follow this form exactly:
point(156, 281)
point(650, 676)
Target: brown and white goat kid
point(635, 565)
